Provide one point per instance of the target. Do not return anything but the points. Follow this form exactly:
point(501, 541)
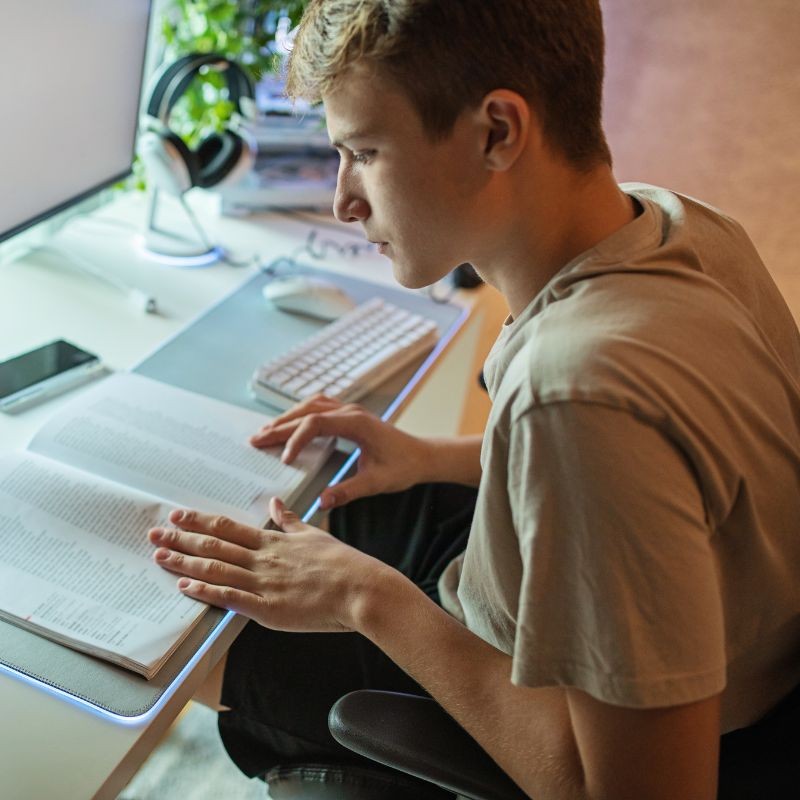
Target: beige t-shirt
point(637, 532)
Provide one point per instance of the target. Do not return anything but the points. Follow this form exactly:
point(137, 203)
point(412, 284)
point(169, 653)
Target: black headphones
point(170, 163)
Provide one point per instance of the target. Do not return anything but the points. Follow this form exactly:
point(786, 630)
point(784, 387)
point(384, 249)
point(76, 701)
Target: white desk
point(49, 748)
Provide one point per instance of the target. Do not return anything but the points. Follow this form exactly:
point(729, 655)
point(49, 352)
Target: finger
point(276, 435)
point(360, 485)
point(277, 431)
point(218, 526)
point(345, 423)
point(199, 544)
point(205, 569)
point(316, 403)
point(285, 519)
point(241, 602)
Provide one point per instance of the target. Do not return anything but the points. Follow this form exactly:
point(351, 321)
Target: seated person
point(629, 589)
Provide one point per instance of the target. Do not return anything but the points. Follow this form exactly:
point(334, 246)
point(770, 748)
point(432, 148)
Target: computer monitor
point(72, 76)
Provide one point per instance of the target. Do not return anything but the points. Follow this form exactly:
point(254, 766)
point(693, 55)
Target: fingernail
point(184, 583)
point(327, 501)
point(162, 555)
point(285, 454)
point(177, 516)
point(156, 533)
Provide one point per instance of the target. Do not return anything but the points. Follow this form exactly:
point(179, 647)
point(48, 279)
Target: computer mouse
point(305, 294)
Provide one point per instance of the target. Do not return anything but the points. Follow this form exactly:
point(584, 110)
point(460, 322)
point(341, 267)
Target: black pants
point(280, 686)
point(762, 762)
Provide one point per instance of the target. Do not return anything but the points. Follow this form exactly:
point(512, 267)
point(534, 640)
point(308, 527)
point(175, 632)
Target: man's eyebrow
point(351, 136)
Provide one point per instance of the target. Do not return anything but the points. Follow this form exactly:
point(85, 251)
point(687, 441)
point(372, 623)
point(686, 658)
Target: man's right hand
point(390, 459)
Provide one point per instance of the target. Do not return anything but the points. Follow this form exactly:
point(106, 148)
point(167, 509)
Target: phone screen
point(38, 365)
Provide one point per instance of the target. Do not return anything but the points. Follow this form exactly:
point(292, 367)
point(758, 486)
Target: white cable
point(139, 298)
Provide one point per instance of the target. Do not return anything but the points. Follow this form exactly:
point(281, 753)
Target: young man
point(629, 590)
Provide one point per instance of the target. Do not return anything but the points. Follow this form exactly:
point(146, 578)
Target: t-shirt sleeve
point(619, 595)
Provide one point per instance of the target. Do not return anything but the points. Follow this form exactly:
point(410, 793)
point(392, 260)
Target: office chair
point(415, 735)
point(436, 758)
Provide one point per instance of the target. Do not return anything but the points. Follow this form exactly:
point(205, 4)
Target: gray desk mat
point(214, 355)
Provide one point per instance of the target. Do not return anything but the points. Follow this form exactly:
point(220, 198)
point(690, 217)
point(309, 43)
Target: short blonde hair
point(446, 55)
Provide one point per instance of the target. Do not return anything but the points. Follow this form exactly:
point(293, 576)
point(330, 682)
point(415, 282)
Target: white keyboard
point(347, 358)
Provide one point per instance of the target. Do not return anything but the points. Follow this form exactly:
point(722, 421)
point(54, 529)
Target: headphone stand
point(173, 245)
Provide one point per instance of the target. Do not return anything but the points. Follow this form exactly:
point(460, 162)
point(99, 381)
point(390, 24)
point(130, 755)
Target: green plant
point(242, 30)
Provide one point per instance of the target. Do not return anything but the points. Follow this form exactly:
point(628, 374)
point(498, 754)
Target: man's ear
point(506, 119)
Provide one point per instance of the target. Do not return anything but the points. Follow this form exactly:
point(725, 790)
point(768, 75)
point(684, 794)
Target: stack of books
point(295, 166)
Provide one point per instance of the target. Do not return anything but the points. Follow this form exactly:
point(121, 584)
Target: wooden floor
point(703, 96)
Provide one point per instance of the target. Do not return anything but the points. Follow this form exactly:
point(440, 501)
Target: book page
point(75, 560)
point(189, 449)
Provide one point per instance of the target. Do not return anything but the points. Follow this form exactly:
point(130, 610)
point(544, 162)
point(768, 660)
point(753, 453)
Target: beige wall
point(703, 96)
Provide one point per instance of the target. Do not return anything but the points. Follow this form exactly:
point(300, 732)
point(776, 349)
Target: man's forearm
point(526, 731)
point(453, 460)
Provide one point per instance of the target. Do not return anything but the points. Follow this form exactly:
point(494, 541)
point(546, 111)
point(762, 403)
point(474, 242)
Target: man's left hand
point(297, 578)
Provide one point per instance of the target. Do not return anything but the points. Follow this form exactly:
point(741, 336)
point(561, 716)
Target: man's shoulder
point(680, 207)
point(663, 306)
point(629, 340)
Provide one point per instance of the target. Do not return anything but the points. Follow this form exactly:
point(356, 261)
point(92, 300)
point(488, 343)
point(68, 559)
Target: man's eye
point(363, 156)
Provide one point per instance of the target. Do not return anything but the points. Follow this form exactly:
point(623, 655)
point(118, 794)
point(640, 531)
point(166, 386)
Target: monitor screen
point(72, 74)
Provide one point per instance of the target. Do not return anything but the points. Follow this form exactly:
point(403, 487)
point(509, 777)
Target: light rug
point(191, 764)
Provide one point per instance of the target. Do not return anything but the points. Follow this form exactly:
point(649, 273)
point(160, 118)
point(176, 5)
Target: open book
point(76, 505)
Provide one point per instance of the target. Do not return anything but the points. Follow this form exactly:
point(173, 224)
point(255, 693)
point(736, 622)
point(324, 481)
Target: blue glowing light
point(181, 262)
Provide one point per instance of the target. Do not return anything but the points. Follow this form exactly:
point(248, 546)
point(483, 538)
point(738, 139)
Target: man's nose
point(348, 204)
point(350, 209)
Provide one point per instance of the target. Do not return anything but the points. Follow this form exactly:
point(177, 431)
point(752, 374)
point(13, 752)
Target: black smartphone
point(44, 372)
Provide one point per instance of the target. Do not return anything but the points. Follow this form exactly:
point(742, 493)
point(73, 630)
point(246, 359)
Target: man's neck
point(553, 216)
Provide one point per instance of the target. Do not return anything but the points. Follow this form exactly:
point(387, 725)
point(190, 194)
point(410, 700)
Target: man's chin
point(415, 278)
point(409, 280)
